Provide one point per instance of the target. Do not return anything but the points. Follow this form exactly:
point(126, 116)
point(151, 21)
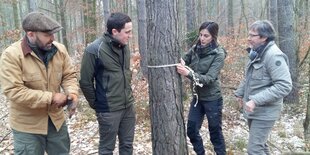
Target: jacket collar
point(114, 42)
point(262, 50)
point(25, 47)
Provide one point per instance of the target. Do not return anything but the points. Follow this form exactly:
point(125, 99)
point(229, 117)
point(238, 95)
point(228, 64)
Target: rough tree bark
point(166, 108)
point(287, 44)
point(190, 21)
point(230, 19)
point(141, 10)
point(273, 13)
point(307, 120)
point(106, 10)
point(32, 5)
point(62, 7)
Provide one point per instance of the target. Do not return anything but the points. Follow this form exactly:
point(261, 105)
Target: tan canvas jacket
point(29, 85)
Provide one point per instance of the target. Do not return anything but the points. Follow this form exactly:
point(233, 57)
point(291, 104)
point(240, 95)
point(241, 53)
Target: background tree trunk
point(307, 120)
point(32, 5)
point(142, 32)
point(273, 13)
point(106, 10)
point(15, 13)
point(287, 44)
point(230, 19)
point(62, 7)
point(191, 22)
point(89, 12)
point(166, 108)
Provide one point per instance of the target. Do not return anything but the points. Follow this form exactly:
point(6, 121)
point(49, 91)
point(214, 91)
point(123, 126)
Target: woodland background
point(84, 20)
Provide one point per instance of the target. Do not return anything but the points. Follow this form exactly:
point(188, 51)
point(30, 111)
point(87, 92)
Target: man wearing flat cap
point(32, 72)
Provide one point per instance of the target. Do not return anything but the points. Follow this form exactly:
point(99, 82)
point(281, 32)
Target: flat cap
point(38, 21)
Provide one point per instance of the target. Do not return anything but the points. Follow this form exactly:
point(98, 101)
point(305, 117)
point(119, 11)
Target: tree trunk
point(32, 5)
point(306, 10)
point(243, 15)
point(273, 14)
point(166, 108)
point(57, 18)
point(142, 32)
point(89, 12)
point(230, 19)
point(287, 44)
point(63, 23)
point(106, 10)
point(190, 22)
point(307, 120)
point(15, 13)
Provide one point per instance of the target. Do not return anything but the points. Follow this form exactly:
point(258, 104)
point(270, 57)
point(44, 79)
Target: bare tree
point(142, 32)
point(307, 120)
point(15, 13)
point(90, 24)
point(106, 9)
point(166, 108)
point(190, 21)
point(32, 5)
point(243, 16)
point(230, 19)
point(62, 7)
point(273, 13)
point(287, 44)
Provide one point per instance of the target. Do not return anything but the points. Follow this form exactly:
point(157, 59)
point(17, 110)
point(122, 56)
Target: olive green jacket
point(206, 64)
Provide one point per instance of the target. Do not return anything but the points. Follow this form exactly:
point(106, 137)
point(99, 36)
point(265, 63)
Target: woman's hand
point(181, 69)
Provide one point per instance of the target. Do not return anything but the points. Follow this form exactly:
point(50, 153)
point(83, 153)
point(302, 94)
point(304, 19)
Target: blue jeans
point(213, 111)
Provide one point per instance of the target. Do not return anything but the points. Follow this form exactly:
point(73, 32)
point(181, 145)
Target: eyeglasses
point(253, 35)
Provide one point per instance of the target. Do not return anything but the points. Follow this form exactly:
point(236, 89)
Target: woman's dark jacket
point(206, 62)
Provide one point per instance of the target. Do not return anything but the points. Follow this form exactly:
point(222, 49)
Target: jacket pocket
point(258, 71)
point(33, 81)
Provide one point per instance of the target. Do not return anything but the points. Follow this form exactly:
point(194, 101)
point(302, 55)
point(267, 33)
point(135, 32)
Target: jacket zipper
point(124, 76)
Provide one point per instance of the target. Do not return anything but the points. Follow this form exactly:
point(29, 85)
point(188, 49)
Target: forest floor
point(286, 136)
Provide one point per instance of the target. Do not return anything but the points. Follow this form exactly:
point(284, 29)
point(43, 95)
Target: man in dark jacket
point(106, 84)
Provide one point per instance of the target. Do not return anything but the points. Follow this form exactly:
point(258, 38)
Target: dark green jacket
point(105, 76)
point(206, 64)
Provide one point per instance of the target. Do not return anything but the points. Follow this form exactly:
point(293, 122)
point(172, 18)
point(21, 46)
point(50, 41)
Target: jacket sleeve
point(277, 67)
point(214, 70)
point(13, 86)
point(187, 57)
point(87, 73)
point(240, 90)
point(69, 79)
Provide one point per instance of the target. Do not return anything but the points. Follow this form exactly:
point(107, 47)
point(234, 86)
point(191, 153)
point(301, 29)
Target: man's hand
point(59, 100)
point(249, 106)
point(72, 101)
point(240, 102)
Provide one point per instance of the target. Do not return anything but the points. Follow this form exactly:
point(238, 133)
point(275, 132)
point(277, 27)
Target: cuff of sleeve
point(50, 96)
point(190, 75)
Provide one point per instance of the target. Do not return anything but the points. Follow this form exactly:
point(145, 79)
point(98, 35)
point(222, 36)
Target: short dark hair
point(264, 28)
point(117, 21)
point(212, 27)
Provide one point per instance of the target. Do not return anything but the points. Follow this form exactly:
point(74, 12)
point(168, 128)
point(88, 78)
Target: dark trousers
point(54, 143)
point(213, 111)
point(118, 123)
